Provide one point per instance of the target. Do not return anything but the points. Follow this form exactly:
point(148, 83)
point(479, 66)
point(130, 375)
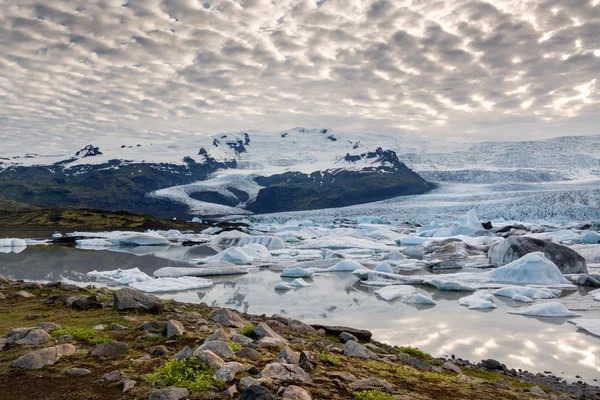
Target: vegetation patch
point(235, 347)
point(84, 334)
point(329, 358)
point(373, 395)
point(493, 377)
point(248, 330)
point(414, 352)
point(191, 373)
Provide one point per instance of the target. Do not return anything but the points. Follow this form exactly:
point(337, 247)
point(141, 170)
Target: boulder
point(296, 393)
point(263, 330)
point(492, 365)
point(285, 372)
point(288, 356)
point(170, 393)
point(131, 299)
point(83, 303)
point(184, 353)
point(154, 326)
point(228, 371)
point(355, 349)
point(158, 351)
point(515, 247)
point(34, 337)
point(361, 335)
point(114, 376)
point(346, 337)
point(174, 329)
point(301, 327)
point(227, 317)
point(308, 360)
point(210, 358)
point(77, 371)
point(250, 354)
point(40, 358)
point(221, 349)
point(372, 384)
point(220, 335)
point(110, 349)
point(256, 392)
point(23, 294)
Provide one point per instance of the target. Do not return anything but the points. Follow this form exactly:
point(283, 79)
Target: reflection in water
point(536, 344)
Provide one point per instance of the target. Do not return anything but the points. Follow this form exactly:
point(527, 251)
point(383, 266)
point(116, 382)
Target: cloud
point(74, 70)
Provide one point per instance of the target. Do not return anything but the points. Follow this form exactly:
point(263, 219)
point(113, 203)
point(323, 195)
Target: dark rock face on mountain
point(88, 151)
point(294, 191)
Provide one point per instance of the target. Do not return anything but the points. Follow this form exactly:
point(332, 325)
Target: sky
point(72, 71)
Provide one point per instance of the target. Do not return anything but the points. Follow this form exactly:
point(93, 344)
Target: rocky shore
point(58, 341)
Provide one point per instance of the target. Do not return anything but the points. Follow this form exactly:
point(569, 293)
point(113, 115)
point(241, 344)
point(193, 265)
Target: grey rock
point(515, 247)
point(130, 299)
point(77, 371)
point(158, 351)
point(308, 360)
point(23, 294)
point(83, 302)
point(415, 362)
point(184, 353)
point(285, 372)
point(240, 339)
point(296, 393)
point(170, 393)
point(257, 393)
point(227, 317)
point(118, 327)
point(154, 326)
point(174, 329)
point(251, 354)
point(2, 296)
point(110, 349)
point(248, 381)
point(210, 359)
point(355, 349)
point(346, 337)
point(491, 364)
point(272, 343)
point(228, 371)
point(128, 385)
point(16, 334)
point(282, 318)
point(31, 285)
point(231, 391)
point(34, 337)
point(220, 335)
point(362, 335)
point(221, 349)
point(301, 327)
point(452, 367)
point(99, 327)
point(263, 330)
point(48, 326)
point(372, 384)
point(40, 358)
point(191, 316)
point(288, 356)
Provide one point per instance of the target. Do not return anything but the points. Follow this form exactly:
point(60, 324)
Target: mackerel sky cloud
point(75, 70)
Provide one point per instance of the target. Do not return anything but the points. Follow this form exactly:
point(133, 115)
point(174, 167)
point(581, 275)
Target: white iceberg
point(12, 245)
point(590, 325)
point(521, 298)
point(443, 284)
point(296, 272)
point(270, 242)
point(533, 293)
point(344, 266)
point(384, 267)
point(120, 276)
point(233, 255)
point(532, 268)
point(160, 285)
point(295, 284)
point(478, 301)
point(138, 239)
point(216, 269)
point(91, 243)
point(551, 309)
point(406, 293)
point(256, 250)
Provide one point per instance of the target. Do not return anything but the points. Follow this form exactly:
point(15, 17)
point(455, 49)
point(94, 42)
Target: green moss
point(329, 358)
point(235, 347)
point(248, 330)
point(413, 351)
point(191, 373)
point(84, 334)
point(493, 377)
point(373, 395)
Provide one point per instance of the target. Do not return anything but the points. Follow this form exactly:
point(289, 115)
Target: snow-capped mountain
point(291, 170)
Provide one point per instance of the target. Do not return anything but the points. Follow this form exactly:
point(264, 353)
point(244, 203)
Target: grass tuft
point(190, 373)
point(373, 395)
point(84, 334)
point(329, 358)
point(235, 347)
point(248, 330)
point(413, 351)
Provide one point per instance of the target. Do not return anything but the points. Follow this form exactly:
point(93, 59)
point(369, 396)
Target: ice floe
point(533, 293)
point(478, 300)
point(590, 325)
point(295, 284)
point(551, 309)
point(160, 285)
point(214, 269)
point(270, 242)
point(406, 293)
point(12, 245)
point(120, 276)
point(233, 255)
point(296, 272)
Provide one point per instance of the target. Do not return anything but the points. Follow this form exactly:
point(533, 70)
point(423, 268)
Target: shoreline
point(408, 371)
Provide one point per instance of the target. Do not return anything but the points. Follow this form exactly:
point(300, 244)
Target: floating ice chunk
point(411, 241)
point(590, 325)
point(546, 310)
point(120, 276)
point(394, 256)
point(270, 242)
point(217, 269)
point(256, 250)
point(532, 268)
point(344, 266)
point(422, 299)
point(295, 284)
point(289, 237)
point(342, 242)
point(197, 221)
point(57, 235)
point(384, 267)
point(211, 231)
point(87, 243)
point(12, 243)
point(478, 301)
point(521, 298)
point(390, 293)
point(296, 272)
point(533, 293)
point(233, 255)
point(471, 221)
point(138, 239)
point(160, 285)
point(443, 284)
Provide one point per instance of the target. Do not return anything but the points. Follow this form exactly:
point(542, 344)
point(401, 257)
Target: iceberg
point(89, 243)
point(270, 242)
point(295, 284)
point(478, 301)
point(296, 272)
point(384, 267)
point(160, 285)
point(120, 276)
point(532, 293)
point(532, 268)
point(551, 309)
point(344, 266)
point(138, 239)
point(407, 294)
point(443, 284)
point(216, 269)
point(256, 250)
point(590, 325)
point(521, 298)
point(233, 255)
